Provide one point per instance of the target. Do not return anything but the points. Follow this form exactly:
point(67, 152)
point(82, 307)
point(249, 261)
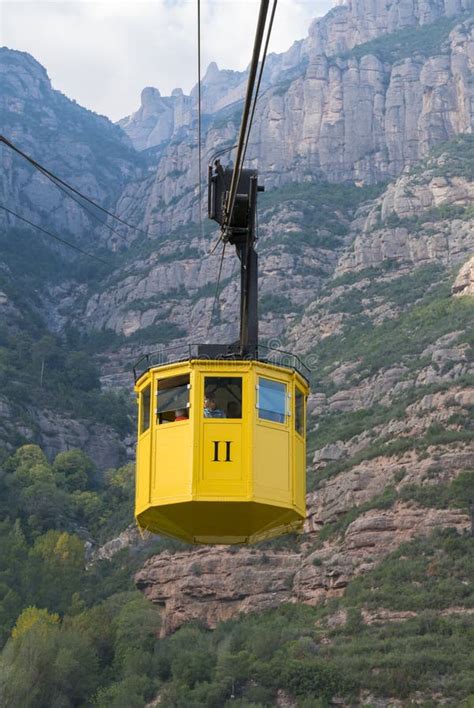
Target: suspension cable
point(199, 109)
point(83, 206)
point(229, 205)
point(54, 236)
point(262, 66)
point(221, 152)
point(58, 181)
point(216, 294)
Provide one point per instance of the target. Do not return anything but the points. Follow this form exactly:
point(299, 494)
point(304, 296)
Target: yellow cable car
point(221, 454)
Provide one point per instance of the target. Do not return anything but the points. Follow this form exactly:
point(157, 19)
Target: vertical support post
point(240, 231)
point(249, 278)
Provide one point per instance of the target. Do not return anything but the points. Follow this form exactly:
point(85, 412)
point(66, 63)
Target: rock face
point(99, 441)
point(325, 112)
point(412, 224)
point(157, 118)
point(213, 585)
point(55, 433)
point(357, 21)
point(129, 538)
point(367, 541)
point(464, 283)
point(392, 231)
point(83, 148)
point(225, 583)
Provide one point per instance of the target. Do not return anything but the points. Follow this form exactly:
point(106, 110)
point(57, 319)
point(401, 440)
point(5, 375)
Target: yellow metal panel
point(217, 522)
point(299, 450)
point(299, 472)
point(172, 462)
point(143, 455)
point(272, 473)
point(142, 479)
point(221, 451)
point(222, 470)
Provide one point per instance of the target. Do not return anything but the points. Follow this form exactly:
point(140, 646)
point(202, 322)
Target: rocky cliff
point(365, 95)
point(371, 90)
point(84, 148)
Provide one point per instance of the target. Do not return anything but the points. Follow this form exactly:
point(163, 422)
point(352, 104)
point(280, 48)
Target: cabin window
point(271, 400)
point(299, 411)
point(145, 401)
point(173, 399)
point(222, 397)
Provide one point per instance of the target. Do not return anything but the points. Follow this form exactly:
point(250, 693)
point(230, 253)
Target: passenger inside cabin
point(180, 414)
point(210, 407)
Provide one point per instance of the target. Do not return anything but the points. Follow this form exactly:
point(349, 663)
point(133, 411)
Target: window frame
point(287, 397)
point(187, 406)
point(299, 392)
point(142, 408)
point(212, 375)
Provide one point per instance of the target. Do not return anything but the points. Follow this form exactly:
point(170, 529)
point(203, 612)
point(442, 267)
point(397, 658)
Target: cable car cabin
point(221, 454)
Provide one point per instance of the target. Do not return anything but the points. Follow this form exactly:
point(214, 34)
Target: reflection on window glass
point(271, 401)
point(223, 397)
point(299, 411)
point(173, 399)
point(145, 409)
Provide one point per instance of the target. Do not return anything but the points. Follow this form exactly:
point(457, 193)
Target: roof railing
point(219, 352)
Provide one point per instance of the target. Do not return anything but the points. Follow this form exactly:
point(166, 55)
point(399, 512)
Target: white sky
point(104, 52)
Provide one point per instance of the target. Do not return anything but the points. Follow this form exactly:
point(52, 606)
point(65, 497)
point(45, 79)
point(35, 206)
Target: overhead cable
point(216, 294)
point(199, 109)
point(221, 152)
point(54, 236)
point(58, 181)
point(83, 206)
point(262, 66)
point(229, 205)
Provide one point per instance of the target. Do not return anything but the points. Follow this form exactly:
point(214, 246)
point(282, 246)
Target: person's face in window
point(210, 403)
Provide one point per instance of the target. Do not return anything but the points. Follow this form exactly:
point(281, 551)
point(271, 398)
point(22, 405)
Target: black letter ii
point(227, 450)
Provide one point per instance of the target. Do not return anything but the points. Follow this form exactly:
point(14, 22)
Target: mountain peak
point(34, 75)
point(212, 72)
point(150, 96)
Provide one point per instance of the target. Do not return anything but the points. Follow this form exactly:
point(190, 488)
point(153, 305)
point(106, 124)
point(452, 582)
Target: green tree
point(88, 508)
point(74, 469)
point(45, 665)
point(131, 692)
point(82, 372)
point(43, 504)
point(47, 353)
point(13, 559)
point(462, 489)
point(136, 627)
point(25, 458)
point(55, 570)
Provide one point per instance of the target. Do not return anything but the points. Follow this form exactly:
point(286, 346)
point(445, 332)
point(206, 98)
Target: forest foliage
point(77, 633)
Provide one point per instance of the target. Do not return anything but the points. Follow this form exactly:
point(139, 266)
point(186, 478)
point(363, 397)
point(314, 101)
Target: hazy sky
point(103, 52)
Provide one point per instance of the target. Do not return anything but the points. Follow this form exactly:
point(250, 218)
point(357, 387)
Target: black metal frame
point(219, 352)
point(239, 230)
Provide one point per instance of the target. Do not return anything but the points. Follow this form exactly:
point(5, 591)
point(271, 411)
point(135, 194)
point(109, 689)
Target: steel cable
point(58, 181)
point(54, 236)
